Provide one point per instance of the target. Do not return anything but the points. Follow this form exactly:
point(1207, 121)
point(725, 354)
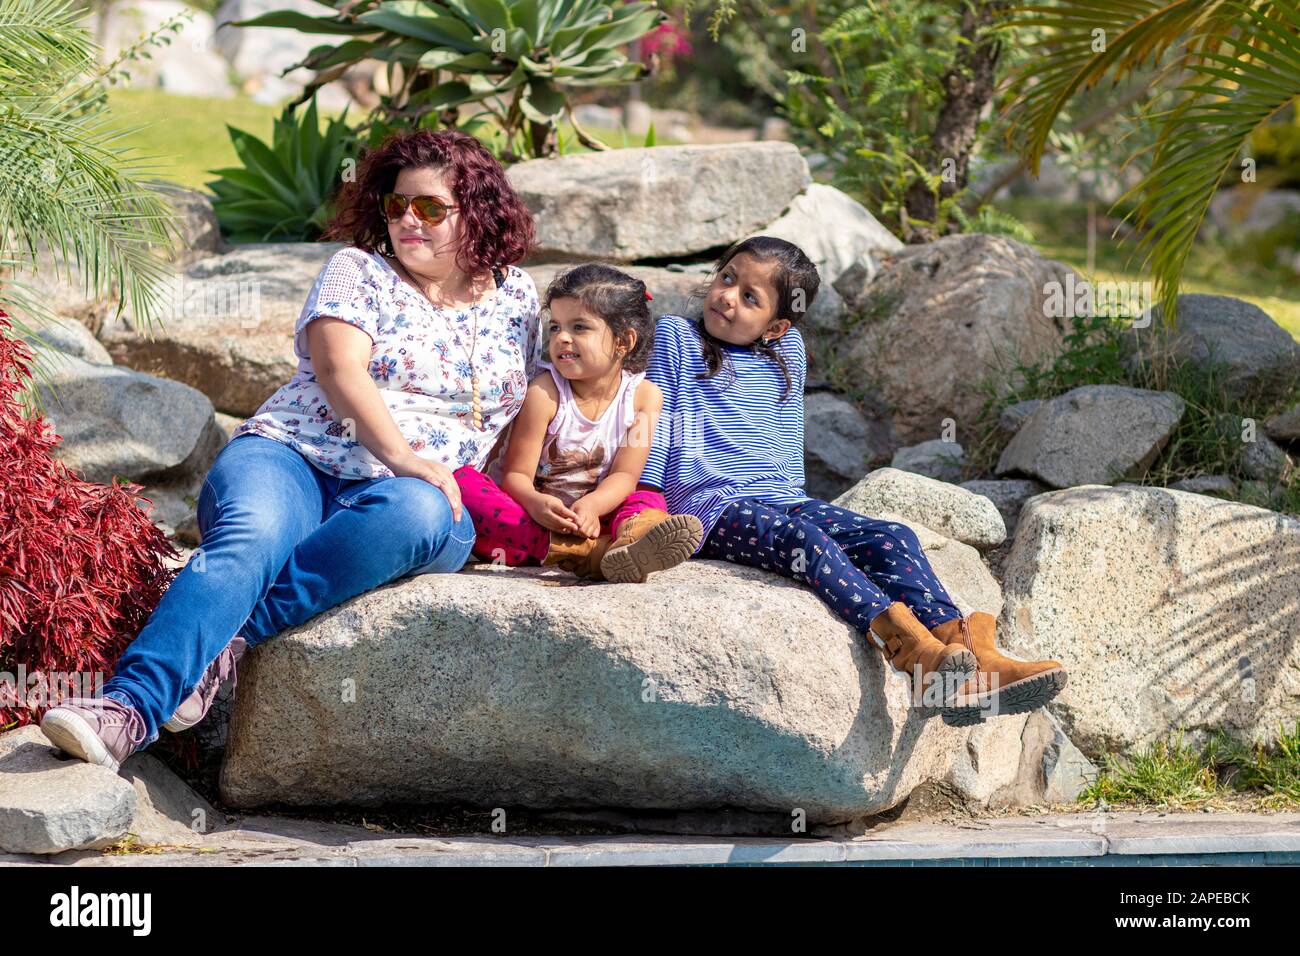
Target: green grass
point(1061, 230)
point(1171, 773)
point(187, 135)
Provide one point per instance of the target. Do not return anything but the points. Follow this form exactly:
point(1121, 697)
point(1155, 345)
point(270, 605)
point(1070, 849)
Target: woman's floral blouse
point(422, 371)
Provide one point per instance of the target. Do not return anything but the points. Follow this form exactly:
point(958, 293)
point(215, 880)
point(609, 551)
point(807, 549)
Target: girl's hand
point(554, 515)
point(413, 466)
point(588, 519)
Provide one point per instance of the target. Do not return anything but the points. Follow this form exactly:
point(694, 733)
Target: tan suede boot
point(1003, 685)
point(650, 541)
point(937, 670)
point(577, 554)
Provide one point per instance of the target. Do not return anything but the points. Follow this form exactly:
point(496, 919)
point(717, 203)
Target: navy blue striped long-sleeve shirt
point(729, 437)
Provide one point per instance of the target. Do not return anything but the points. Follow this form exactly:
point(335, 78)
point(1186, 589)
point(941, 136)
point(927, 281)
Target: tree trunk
point(968, 87)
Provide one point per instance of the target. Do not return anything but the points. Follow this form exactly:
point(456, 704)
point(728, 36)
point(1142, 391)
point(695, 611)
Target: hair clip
point(648, 296)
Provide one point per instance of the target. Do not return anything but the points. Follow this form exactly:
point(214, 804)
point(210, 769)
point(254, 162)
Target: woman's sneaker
point(99, 730)
point(195, 707)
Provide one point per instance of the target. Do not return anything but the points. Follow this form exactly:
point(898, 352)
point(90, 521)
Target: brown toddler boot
point(937, 670)
point(650, 541)
point(577, 554)
point(1003, 685)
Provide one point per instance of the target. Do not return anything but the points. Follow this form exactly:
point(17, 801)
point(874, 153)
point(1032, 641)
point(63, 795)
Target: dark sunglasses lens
point(429, 209)
point(394, 206)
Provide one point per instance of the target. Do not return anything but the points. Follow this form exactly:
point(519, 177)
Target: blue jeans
point(857, 565)
point(282, 541)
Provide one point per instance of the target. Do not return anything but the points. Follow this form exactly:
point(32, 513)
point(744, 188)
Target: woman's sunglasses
point(427, 208)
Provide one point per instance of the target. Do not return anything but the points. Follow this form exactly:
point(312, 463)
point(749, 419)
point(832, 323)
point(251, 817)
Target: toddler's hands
point(552, 513)
point(588, 520)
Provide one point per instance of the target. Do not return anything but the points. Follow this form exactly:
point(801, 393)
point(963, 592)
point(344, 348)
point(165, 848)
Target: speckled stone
point(1167, 608)
point(946, 508)
point(708, 686)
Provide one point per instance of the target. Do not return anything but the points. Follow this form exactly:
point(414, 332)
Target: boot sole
point(1018, 697)
point(956, 670)
point(74, 736)
point(666, 545)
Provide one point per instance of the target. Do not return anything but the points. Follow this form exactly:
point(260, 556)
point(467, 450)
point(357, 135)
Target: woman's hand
point(588, 517)
point(413, 466)
point(553, 514)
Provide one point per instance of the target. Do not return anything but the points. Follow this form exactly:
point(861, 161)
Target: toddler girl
point(567, 492)
point(729, 449)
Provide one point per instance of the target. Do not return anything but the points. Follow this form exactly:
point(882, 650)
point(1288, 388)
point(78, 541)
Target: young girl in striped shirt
point(729, 449)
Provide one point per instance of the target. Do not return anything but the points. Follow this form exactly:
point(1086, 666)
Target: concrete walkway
point(1083, 839)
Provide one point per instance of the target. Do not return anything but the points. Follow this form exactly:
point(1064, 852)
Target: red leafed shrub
point(81, 564)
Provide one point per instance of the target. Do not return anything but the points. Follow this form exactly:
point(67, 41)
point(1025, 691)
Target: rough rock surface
point(840, 443)
point(114, 421)
point(938, 320)
point(1169, 610)
point(665, 201)
point(1255, 356)
point(49, 803)
point(501, 687)
point(946, 508)
point(1008, 496)
point(835, 231)
point(1092, 434)
point(938, 459)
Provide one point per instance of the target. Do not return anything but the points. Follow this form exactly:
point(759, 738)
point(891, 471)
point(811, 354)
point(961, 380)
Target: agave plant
point(517, 59)
point(284, 189)
point(1225, 68)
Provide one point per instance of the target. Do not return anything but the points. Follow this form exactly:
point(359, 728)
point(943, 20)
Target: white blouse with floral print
point(420, 362)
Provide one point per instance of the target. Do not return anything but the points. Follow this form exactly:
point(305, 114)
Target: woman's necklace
point(476, 403)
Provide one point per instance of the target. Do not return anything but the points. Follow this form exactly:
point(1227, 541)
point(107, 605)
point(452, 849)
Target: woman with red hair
point(415, 348)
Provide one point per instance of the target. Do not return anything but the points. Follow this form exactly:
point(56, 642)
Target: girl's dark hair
point(614, 296)
point(498, 226)
point(796, 280)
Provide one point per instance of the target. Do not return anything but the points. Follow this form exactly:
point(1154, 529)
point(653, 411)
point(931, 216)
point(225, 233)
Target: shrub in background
point(81, 564)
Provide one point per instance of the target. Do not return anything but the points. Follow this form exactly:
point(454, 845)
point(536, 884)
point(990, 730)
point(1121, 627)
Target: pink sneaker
point(99, 730)
point(194, 707)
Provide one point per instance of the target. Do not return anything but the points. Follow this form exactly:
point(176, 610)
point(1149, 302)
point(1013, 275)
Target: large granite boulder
point(937, 321)
point(1093, 434)
point(840, 443)
point(664, 201)
point(227, 327)
point(114, 421)
point(946, 508)
point(709, 686)
point(1254, 356)
point(1170, 609)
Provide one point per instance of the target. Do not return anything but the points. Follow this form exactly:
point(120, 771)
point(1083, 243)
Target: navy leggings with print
point(857, 565)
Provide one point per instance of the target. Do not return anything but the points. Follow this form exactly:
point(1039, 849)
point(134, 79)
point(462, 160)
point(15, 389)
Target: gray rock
point(1285, 425)
point(49, 803)
point(114, 421)
point(70, 337)
point(227, 327)
point(1169, 610)
point(1255, 357)
point(939, 321)
point(484, 688)
point(167, 809)
point(1093, 434)
point(198, 231)
point(628, 204)
point(261, 55)
point(1014, 416)
point(946, 508)
point(943, 460)
point(1221, 486)
point(834, 230)
point(1008, 496)
point(1052, 769)
point(1263, 459)
point(840, 444)
point(1248, 210)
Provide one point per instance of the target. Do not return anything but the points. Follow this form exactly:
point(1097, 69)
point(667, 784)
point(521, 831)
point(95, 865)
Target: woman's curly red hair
point(499, 228)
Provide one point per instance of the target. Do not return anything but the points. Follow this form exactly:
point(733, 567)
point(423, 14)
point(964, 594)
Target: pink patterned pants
point(506, 532)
